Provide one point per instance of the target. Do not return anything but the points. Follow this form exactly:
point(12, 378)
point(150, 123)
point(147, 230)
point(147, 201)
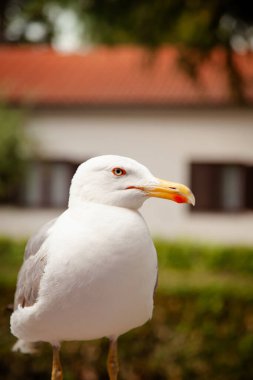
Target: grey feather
point(35, 259)
point(36, 241)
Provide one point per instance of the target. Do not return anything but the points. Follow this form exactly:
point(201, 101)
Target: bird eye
point(118, 172)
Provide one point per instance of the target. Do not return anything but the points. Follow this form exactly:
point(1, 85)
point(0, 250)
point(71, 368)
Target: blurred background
point(169, 84)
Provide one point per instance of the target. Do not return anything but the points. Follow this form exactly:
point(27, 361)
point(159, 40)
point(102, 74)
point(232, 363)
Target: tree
point(193, 23)
point(197, 23)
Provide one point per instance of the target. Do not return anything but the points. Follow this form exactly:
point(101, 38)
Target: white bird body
point(90, 284)
point(92, 272)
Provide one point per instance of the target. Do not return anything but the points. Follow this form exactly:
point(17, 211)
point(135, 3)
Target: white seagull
point(91, 273)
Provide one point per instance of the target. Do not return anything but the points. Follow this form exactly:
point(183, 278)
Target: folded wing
point(30, 274)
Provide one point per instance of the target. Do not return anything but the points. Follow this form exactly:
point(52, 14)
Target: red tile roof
point(119, 76)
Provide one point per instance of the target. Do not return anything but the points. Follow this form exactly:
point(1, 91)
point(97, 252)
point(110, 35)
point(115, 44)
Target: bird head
point(123, 182)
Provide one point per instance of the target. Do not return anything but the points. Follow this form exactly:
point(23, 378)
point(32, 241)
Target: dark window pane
point(249, 188)
point(205, 184)
point(221, 187)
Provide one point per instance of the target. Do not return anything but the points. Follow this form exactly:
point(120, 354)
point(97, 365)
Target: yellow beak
point(171, 190)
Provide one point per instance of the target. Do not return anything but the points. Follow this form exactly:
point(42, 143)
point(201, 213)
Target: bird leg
point(112, 360)
point(56, 368)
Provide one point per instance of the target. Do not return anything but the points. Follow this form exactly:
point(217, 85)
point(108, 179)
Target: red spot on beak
point(180, 199)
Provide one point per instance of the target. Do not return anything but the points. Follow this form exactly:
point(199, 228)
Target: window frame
point(45, 201)
point(219, 208)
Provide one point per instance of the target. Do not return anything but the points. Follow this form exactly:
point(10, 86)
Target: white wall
point(166, 142)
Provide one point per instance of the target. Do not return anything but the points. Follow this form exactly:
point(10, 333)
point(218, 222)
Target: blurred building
point(128, 102)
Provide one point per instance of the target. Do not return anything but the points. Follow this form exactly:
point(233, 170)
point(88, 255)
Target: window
point(223, 187)
point(47, 184)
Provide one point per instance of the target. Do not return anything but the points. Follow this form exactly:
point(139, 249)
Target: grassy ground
point(202, 326)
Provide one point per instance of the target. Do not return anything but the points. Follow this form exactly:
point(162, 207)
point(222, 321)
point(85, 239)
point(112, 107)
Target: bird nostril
point(172, 188)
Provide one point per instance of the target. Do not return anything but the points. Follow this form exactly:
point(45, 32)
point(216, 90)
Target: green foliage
point(11, 256)
point(13, 152)
point(234, 259)
point(185, 255)
point(200, 24)
point(193, 23)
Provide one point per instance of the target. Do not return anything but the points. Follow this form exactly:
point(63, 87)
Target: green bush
point(11, 249)
point(11, 257)
point(178, 255)
point(184, 255)
point(233, 259)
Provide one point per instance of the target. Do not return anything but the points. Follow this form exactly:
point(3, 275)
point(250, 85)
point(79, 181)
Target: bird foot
point(56, 368)
point(112, 361)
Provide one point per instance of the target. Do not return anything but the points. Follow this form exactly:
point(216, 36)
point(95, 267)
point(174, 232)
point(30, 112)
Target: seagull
point(92, 272)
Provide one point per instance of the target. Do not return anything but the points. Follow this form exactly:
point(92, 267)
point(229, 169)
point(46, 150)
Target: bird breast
point(101, 262)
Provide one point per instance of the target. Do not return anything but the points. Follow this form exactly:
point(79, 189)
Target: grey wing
point(36, 241)
point(30, 274)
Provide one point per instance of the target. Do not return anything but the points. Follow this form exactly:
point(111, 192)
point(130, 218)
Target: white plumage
point(99, 278)
point(92, 272)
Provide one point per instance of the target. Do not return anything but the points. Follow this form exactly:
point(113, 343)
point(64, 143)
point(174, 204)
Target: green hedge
point(184, 255)
point(11, 257)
